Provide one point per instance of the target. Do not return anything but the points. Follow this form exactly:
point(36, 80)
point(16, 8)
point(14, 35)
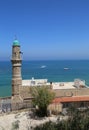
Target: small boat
point(43, 66)
point(66, 68)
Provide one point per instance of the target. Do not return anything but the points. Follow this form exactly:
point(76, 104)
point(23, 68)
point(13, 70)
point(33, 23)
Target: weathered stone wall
point(5, 104)
point(16, 84)
point(25, 92)
point(55, 107)
point(72, 92)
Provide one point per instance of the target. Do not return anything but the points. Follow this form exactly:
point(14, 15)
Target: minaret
point(16, 68)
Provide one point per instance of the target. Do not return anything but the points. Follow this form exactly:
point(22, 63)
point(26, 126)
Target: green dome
point(16, 43)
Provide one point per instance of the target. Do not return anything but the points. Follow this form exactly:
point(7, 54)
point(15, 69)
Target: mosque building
point(65, 92)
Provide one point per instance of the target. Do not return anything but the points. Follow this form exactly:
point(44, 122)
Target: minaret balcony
point(16, 60)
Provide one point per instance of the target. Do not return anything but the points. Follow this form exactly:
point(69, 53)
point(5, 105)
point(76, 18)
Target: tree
point(42, 97)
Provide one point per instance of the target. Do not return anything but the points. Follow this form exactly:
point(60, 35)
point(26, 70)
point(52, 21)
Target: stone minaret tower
point(16, 68)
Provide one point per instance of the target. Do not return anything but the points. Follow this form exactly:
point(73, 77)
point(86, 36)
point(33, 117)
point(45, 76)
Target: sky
point(46, 29)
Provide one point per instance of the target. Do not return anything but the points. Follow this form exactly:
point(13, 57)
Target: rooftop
point(55, 85)
point(71, 99)
point(63, 85)
point(34, 82)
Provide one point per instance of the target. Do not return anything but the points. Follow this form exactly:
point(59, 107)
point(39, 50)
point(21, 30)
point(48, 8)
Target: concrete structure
point(34, 82)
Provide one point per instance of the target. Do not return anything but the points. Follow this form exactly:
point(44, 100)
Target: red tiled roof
point(71, 99)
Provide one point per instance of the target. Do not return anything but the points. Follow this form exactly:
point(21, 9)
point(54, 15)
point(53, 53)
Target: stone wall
point(71, 92)
point(5, 104)
point(55, 107)
point(25, 92)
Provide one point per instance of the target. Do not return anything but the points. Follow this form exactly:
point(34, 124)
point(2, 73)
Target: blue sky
point(46, 29)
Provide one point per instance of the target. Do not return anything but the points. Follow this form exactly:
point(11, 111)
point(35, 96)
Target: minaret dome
point(16, 43)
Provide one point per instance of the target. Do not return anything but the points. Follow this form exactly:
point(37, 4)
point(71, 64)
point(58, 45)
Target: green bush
point(78, 120)
point(15, 125)
point(42, 98)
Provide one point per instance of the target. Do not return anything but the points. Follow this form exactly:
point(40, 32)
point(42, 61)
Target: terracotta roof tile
point(71, 99)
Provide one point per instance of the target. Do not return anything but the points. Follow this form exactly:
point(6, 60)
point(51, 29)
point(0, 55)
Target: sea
point(54, 71)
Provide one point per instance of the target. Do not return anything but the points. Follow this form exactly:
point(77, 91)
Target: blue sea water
point(53, 71)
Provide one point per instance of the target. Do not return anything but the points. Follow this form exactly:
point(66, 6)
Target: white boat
point(66, 68)
point(43, 66)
